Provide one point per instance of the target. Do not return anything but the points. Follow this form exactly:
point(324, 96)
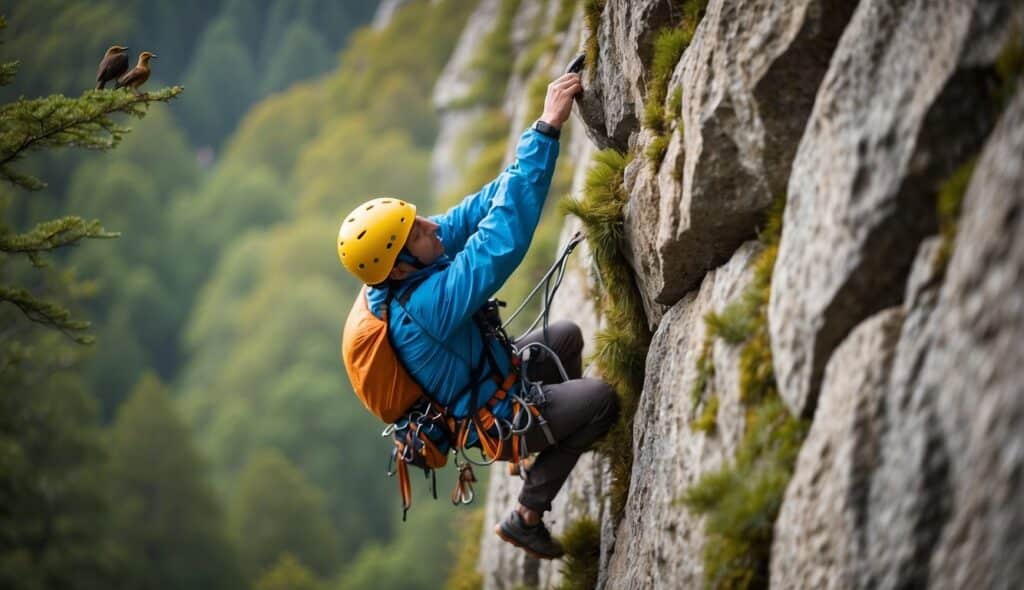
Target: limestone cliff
point(859, 376)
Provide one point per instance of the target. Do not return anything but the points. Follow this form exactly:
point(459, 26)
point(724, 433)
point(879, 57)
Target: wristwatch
point(546, 129)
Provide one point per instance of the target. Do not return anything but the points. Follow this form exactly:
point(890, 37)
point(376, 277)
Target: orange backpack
point(378, 376)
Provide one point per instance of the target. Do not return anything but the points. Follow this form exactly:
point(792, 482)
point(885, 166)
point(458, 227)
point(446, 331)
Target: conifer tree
point(169, 523)
point(49, 123)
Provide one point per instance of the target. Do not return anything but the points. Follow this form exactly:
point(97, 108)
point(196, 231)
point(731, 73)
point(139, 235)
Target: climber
point(429, 275)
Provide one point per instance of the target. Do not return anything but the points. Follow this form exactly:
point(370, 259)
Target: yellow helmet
point(372, 235)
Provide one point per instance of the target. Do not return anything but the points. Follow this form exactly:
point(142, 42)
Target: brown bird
point(113, 66)
point(138, 75)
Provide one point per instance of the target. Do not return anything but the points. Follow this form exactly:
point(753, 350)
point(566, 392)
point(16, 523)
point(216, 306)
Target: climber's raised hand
point(558, 103)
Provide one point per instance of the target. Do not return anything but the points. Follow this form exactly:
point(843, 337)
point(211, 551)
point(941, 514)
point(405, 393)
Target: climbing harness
point(427, 433)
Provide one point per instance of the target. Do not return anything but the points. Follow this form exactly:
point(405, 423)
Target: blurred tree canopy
point(169, 524)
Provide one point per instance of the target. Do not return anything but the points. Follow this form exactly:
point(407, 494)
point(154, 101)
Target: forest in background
point(207, 438)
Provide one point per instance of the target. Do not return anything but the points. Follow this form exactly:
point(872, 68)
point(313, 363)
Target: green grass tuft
point(582, 542)
point(668, 48)
point(705, 373)
point(741, 500)
point(949, 204)
point(656, 150)
point(621, 350)
point(707, 422)
point(592, 10)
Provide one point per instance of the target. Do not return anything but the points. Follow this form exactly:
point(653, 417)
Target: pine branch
point(52, 235)
point(47, 314)
point(7, 72)
point(58, 121)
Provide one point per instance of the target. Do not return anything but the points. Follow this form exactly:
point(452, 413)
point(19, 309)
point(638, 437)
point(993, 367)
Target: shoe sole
point(512, 541)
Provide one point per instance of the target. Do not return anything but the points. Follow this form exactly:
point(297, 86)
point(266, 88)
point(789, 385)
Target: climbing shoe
point(535, 540)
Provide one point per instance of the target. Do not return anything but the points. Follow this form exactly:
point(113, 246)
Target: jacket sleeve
point(497, 243)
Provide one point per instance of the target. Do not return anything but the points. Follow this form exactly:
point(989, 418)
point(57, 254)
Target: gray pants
point(578, 411)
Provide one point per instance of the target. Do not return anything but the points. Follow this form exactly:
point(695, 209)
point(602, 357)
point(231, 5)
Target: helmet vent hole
point(376, 260)
point(361, 234)
point(368, 207)
point(393, 237)
point(342, 253)
point(351, 219)
point(402, 203)
point(341, 243)
point(361, 265)
point(388, 246)
point(388, 202)
point(403, 220)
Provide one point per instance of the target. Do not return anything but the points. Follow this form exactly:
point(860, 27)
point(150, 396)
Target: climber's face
point(423, 242)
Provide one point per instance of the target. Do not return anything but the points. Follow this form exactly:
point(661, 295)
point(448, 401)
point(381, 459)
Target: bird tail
point(100, 84)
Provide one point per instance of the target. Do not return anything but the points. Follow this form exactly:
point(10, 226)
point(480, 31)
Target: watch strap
point(547, 129)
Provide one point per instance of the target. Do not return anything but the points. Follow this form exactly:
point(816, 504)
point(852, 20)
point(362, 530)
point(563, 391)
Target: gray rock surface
point(658, 543)
point(749, 78)
point(891, 120)
point(615, 86)
point(453, 85)
point(820, 541)
point(975, 371)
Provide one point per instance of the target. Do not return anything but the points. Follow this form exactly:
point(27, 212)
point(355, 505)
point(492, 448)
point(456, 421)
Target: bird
point(113, 65)
point(138, 75)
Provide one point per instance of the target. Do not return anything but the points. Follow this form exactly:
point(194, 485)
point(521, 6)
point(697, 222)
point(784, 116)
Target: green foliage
point(54, 512)
point(582, 542)
point(52, 60)
point(656, 150)
point(621, 350)
point(707, 422)
point(418, 557)
point(302, 54)
point(278, 511)
point(273, 133)
point(734, 324)
point(288, 574)
point(668, 48)
point(741, 500)
point(387, 76)
point(222, 83)
point(466, 552)
point(592, 10)
point(669, 45)
point(168, 521)
point(371, 161)
point(53, 122)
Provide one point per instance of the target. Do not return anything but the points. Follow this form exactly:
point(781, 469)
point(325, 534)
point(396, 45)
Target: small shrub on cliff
point(621, 351)
point(669, 47)
point(582, 542)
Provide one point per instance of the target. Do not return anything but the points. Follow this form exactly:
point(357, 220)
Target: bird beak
point(152, 57)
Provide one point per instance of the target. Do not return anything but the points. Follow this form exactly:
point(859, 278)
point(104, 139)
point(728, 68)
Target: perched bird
point(138, 75)
point(113, 66)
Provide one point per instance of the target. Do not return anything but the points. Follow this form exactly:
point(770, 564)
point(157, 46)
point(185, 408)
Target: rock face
point(890, 122)
point(820, 540)
point(748, 81)
point(910, 368)
point(910, 474)
point(658, 543)
point(454, 85)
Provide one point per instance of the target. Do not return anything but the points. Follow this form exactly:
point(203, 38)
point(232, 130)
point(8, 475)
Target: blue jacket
point(485, 237)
